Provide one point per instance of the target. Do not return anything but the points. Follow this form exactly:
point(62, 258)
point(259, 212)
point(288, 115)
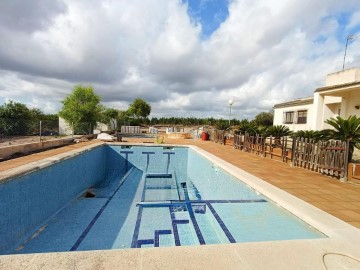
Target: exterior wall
point(318, 111)
point(343, 77)
point(332, 100)
point(279, 112)
point(332, 106)
point(100, 127)
point(352, 101)
point(64, 128)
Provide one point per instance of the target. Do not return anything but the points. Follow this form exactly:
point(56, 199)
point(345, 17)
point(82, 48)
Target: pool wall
point(28, 201)
point(148, 159)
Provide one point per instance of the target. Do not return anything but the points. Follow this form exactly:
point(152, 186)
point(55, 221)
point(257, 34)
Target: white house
point(339, 97)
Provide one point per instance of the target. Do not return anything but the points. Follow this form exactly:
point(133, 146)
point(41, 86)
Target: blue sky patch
point(209, 13)
point(343, 20)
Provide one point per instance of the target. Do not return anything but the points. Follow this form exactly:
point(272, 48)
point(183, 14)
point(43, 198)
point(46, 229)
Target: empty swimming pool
point(116, 196)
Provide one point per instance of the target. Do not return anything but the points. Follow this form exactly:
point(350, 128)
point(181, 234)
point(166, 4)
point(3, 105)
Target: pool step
point(159, 175)
point(155, 241)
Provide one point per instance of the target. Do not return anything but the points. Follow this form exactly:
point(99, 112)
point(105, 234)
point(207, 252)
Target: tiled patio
point(339, 199)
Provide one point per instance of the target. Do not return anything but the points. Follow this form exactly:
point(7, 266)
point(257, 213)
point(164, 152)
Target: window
point(302, 117)
point(289, 117)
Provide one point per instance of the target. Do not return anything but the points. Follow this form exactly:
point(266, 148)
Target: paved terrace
point(341, 200)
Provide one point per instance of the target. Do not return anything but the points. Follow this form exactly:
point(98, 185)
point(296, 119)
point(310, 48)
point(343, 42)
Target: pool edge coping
point(24, 169)
point(249, 255)
point(322, 221)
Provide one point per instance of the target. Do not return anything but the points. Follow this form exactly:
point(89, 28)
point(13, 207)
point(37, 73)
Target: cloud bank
point(263, 53)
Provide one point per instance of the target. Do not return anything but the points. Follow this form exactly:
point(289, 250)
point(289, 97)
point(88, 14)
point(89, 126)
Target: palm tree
point(222, 125)
point(314, 135)
point(279, 131)
point(346, 129)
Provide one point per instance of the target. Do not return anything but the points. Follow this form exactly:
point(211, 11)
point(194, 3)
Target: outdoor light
point(231, 102)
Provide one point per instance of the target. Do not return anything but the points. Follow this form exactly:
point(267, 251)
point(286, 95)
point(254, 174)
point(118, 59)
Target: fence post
point(40, 132)
point(72, 128)
point(263, 146)
point(344, 179)
point(293, 152)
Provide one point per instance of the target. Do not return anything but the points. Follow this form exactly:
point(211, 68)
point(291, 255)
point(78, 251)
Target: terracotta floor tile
point(339, 214)
point(355, 223)
point(297, 191)
point(357, 204)
point(353, 214)
point(328, 206)
point(316, 198)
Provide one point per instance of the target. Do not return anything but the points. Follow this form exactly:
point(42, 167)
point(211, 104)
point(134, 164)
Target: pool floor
point(150, 210)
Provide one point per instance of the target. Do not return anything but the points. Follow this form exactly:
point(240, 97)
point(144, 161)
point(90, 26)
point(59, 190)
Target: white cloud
point(264, 53)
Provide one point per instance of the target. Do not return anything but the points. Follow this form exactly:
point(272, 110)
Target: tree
point(110, 116)
point(123, 118)
point(15, 119)
point(139, 109)
point(279, 131)
point(314, 135)
point(14, 110)
point(82, 108)
point(345, 129)
point(222, 125)
point(264, 119)
point(243, 126)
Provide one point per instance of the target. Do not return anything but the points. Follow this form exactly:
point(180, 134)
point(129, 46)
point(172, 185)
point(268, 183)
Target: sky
point(186, 58)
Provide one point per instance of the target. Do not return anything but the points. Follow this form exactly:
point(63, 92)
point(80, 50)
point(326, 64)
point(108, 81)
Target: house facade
point(294, 114)
point(339, 97)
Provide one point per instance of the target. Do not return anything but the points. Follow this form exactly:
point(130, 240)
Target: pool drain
point(89, 194)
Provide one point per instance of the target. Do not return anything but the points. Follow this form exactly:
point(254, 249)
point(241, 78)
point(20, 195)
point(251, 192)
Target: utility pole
point(231, 102)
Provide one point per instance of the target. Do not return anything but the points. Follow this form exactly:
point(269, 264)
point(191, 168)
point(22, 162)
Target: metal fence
point(14, 128)
point(82, 128)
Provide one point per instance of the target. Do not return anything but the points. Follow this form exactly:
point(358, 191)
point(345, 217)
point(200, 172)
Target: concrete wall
point(343, 77)
point(64, 127)
point(8, 151)
point(278, 117)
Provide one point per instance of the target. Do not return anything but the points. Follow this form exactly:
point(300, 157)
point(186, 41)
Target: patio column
point(318, 112)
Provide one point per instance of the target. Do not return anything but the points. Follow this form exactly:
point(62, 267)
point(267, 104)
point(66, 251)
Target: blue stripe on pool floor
point(157, 236)
point(91, 224)
point(221, 223)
